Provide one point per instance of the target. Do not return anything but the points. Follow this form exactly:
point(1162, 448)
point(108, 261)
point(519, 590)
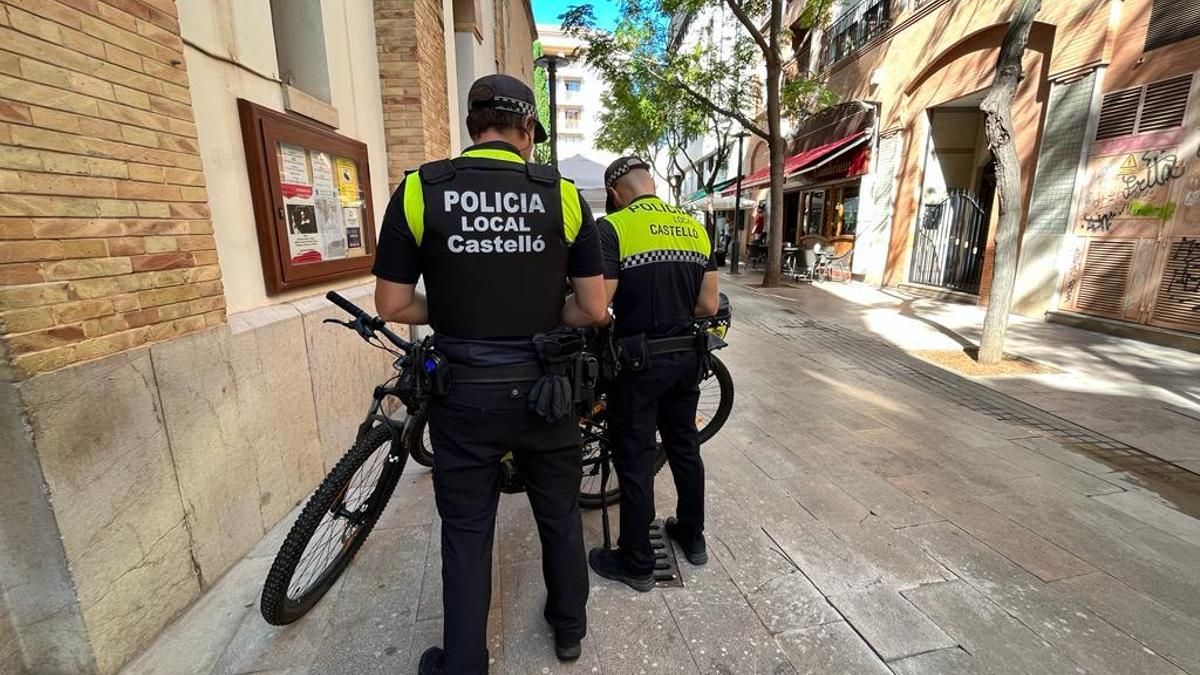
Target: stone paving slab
point(1147, 558)
point(830, 648)
point(1161, 628)
point(1083, 637)
point(856, 523)
point(953, 661)
point(986, 631)
point(892, 626)
point(1029, 550)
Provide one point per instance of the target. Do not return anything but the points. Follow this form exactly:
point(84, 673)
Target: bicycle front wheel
point(590, 495)
point(332, 527)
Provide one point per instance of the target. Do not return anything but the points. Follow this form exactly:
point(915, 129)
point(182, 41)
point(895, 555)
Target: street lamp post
point(552, 62)
point(739, 217)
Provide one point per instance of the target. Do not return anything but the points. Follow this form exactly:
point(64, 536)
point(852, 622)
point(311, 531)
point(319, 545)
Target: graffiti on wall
point(1072, 280)
point(1185, 260)
point(1132, 186)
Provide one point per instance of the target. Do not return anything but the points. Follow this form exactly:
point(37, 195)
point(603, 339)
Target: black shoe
point(694, 548)
point(433, 662)
point(610, 566)
point(567, 652)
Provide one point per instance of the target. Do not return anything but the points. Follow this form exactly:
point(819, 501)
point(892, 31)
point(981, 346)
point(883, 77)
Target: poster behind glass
point(323, 202)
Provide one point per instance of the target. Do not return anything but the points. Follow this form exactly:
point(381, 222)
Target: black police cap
point(616, 171)
point(506, 93)
point(622, 166)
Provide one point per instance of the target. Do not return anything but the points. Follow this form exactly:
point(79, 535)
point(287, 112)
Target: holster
point(633, 353)
point(568, 375)
point(424, 374)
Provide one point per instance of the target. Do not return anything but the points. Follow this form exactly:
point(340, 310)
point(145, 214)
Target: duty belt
point(525, 371)
point(672, 345)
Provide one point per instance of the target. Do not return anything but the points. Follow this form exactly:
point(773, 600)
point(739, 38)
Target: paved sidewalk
point(862, 519)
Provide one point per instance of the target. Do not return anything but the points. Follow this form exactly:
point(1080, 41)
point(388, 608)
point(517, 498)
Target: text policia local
point(495, 212)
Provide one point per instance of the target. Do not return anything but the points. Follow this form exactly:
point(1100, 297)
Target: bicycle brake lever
point(345, 324)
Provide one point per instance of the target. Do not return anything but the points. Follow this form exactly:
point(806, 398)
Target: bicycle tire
point(277, 607)
point(593, 499)
point(724, 407)
point(416, 438)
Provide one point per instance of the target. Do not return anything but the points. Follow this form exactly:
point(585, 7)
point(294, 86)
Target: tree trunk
point(997, 119)
point(775, 145)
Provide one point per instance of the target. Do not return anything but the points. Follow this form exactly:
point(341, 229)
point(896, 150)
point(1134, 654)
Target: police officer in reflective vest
point(496, 238)
point(660, 277)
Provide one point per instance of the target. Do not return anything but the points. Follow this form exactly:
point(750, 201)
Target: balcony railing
point(854, 28)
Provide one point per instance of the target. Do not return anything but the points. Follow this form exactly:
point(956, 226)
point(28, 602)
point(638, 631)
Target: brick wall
point(105, 239)
point(412, 72)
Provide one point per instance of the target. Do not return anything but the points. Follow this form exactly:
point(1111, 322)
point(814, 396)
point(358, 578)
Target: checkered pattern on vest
point(650, 257)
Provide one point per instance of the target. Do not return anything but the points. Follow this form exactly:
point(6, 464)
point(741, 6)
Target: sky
point(547, 11)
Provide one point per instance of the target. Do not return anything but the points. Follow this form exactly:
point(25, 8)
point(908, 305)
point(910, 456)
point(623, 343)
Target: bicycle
point(342, 511)
point(345, 507)
point(712, 411)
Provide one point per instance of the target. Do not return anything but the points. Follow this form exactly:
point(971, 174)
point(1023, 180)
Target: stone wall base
point(162, 467)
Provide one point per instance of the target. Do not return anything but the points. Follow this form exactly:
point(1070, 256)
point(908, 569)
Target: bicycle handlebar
point(351, 308)
point(373, 324)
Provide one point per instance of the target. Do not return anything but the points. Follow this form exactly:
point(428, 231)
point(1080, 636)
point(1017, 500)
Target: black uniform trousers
point(472, 429)
point(663, 397)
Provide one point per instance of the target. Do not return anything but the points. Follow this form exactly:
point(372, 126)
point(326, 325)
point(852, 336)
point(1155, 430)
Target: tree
point(997, 120)
point(721, 80)
point(541, 96)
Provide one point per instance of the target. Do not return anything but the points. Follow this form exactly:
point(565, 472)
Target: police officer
point(660, 276)
point(495, 238)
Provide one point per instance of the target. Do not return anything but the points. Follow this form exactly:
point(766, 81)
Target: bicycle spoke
point(336, 530)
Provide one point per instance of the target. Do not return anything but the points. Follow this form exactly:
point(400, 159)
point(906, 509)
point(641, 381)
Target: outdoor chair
point(830, 266)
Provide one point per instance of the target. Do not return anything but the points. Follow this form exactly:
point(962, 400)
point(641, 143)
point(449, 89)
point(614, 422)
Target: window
point(573, 85)
point(1172, 21)
point(1155, 107)
point(572, 117)
point(856, 27)
point(300, 46)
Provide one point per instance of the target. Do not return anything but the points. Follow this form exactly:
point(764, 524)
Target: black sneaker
point(566, 652)
point(694, 548)
point(610, 566)
point(433, 662)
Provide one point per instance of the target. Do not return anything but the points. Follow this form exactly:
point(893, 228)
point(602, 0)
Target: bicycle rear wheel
point(332, 527)
point(416, 438)
point(716, 401)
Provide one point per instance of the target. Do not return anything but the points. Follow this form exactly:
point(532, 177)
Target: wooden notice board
point(312, 199)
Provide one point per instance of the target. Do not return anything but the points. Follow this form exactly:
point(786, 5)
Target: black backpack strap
point(542, 173)
point(437, 171)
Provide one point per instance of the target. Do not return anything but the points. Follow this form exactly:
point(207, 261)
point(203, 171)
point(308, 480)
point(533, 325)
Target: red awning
point(799, 161)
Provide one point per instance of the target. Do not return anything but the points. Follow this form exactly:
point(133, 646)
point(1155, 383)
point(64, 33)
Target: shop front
point(831, 155)
point(826, 204)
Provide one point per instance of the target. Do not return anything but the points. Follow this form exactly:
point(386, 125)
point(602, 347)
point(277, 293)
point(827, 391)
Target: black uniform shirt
point(659, 254)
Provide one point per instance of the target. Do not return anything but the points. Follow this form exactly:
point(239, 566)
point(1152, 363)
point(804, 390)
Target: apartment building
point(1106, 120)
point(180, 184)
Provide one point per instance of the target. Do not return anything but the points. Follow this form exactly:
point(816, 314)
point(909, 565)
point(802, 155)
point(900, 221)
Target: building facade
point(580, 92)
point(1106, 129)
point(180, 183)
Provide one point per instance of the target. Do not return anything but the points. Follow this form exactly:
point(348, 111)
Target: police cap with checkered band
point(507, 94)
point(618, 170)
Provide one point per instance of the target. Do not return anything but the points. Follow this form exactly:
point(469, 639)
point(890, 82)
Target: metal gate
point(950, 242)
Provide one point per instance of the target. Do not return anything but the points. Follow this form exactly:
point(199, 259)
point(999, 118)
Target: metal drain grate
point(666, 566)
